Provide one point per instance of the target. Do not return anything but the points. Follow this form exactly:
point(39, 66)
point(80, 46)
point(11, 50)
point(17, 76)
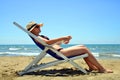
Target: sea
point(101, 51)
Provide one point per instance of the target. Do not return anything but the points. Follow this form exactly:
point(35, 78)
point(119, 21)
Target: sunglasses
point(37, 26)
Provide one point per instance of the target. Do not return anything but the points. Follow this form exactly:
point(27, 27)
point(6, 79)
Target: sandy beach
point(10, 65)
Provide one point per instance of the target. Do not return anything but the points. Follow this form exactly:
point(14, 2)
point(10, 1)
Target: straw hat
point(31, 25)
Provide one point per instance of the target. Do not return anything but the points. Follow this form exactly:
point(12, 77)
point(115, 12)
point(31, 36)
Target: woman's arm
point(65, 39)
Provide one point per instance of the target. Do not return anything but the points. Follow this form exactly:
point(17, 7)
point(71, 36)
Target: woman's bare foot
point(106, 71)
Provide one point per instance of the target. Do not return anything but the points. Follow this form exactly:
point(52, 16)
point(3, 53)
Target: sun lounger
point(48, 49)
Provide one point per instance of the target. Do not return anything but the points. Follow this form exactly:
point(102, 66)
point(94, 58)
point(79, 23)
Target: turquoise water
point(98, 50)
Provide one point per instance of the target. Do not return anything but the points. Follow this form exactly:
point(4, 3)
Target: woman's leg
point(76, 51)
point(90, 65)
point(90, 60)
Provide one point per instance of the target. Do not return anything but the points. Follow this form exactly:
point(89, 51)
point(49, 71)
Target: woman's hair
point(45, 37)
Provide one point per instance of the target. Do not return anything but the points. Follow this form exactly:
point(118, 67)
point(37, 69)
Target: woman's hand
point(67, 39)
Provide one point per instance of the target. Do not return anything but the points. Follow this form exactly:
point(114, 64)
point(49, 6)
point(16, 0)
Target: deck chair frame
point(34, 66)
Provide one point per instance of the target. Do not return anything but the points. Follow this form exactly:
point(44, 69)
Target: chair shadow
point(56, 72)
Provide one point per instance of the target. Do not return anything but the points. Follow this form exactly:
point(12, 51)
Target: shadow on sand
point(57, 72)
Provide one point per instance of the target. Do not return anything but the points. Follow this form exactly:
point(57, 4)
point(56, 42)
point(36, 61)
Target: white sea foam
point(19, 53)
point(95, 54)
point(14, 49)
point(115, 55)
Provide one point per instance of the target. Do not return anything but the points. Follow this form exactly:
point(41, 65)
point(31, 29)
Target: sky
point(87, 21)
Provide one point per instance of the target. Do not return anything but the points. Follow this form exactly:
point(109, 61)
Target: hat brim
point(40, 25)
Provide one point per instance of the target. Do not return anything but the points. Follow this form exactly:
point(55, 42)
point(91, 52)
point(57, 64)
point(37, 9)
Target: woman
point(91, 61)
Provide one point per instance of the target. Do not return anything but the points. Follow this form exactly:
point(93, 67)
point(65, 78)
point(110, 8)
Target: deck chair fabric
point(34, 66)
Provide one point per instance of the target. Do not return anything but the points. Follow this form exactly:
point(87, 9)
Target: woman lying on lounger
point(91, 61)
